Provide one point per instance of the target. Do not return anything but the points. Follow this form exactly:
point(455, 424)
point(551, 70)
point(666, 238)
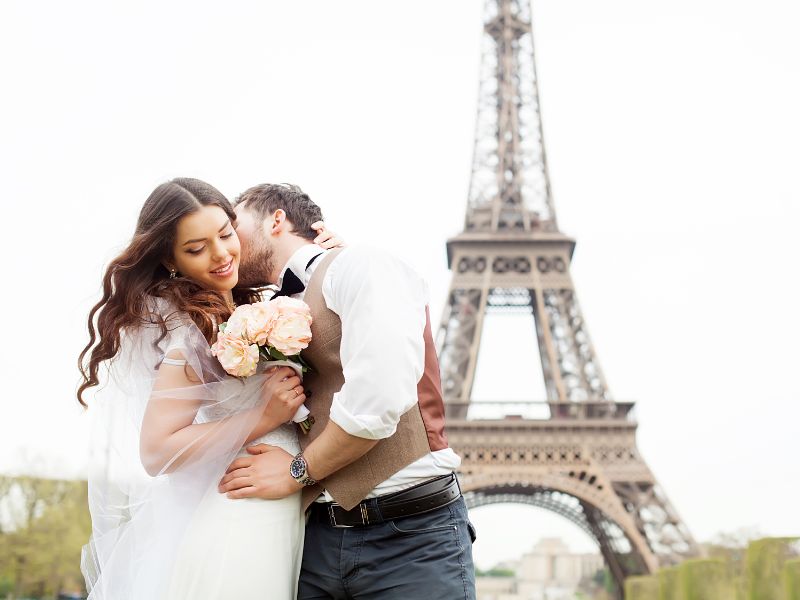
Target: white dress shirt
point(381, 302)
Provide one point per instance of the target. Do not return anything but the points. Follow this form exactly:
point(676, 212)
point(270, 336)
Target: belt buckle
point(332, 516)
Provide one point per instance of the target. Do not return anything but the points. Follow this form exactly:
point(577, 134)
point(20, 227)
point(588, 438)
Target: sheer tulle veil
point(139, 519)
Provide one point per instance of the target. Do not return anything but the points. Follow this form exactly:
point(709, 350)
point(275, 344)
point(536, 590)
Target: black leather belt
point(424, 497)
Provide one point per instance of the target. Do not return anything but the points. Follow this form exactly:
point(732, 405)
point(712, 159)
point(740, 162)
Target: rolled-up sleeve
point(381, 303)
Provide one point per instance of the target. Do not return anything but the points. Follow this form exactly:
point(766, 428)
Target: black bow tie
point(292, 284)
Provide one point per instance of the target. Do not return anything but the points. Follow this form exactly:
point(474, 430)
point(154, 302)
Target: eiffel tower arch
point(580, 458)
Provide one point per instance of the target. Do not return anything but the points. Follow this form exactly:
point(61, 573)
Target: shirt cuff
point(370, 427)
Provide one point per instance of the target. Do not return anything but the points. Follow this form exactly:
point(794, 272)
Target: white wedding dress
point(242, 549)
point(172, 535)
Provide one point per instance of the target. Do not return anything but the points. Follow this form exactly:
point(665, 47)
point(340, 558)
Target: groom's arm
point(265, 474)
point(333, 450)
point(381, 303)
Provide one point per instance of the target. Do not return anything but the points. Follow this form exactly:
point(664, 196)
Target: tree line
point(766, 569)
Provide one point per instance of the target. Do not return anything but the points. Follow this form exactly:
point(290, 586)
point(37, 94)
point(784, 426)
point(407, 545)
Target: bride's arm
point(169, 436)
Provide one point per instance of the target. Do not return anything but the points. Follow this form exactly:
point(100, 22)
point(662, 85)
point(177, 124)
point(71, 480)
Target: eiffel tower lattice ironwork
point(581, 459)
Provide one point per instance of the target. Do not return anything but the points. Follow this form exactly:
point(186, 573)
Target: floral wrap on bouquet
point(264, 335)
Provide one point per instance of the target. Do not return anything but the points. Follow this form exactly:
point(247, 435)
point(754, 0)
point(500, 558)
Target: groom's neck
point(291, 245)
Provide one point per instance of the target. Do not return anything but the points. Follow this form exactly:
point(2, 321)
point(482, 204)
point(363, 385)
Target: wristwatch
point(298, 469)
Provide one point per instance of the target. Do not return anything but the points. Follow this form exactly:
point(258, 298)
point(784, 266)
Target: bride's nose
point(219, 251)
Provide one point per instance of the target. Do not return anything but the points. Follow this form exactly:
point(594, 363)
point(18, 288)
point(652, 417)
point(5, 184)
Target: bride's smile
point(225, 270)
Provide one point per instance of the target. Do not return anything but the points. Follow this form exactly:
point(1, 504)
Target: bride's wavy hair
point(138, 274)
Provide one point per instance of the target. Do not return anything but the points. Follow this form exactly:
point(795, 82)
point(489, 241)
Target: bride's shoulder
point(158, 312)
point(161, 324)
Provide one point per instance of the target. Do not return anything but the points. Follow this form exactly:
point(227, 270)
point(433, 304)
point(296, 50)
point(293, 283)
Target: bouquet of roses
point(272, 333)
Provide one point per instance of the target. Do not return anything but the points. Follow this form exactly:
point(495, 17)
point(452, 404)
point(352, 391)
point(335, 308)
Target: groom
point(386, 519)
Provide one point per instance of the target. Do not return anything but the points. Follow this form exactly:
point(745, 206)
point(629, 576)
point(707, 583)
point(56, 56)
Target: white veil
point(139, 520)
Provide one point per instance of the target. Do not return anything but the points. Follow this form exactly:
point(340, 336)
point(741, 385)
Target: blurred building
point(549, 572)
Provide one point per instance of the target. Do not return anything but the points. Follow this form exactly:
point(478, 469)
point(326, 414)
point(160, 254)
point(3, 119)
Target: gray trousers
point(424, 557)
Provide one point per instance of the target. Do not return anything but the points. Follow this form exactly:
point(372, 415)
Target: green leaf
point(277, 353)
point(304, 363)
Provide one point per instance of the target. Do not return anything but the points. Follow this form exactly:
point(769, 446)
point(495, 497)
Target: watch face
point(297, 468)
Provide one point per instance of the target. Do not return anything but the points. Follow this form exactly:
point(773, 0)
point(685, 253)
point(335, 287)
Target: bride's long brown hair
point(138, 274)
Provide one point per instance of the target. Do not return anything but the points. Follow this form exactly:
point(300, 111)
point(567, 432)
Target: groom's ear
point(279, 223)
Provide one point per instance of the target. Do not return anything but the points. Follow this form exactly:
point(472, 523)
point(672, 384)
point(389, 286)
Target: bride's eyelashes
point(199, 250)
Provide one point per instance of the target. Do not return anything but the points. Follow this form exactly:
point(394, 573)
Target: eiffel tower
point(579, 459)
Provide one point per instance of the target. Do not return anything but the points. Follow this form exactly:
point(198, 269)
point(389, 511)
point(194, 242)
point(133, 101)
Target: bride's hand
point(284, 395)
point(325, 238)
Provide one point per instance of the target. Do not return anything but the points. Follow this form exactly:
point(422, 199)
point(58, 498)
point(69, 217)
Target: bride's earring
point(173, 273)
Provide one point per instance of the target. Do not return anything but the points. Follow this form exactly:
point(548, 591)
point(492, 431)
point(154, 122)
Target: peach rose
point(235, 354)
point(251, 322)
point(237, 322)
point(291, 325)
point(261, 323)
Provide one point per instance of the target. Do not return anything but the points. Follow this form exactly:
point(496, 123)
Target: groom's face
point(257, 254)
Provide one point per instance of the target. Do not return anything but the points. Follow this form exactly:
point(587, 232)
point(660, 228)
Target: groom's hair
point(266, 198)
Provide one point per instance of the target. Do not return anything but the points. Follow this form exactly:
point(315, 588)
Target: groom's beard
point(256, 266)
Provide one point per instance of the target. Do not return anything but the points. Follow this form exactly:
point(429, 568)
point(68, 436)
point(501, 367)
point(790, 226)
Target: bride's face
point(207, 249)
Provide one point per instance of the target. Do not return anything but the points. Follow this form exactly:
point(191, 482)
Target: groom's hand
point(263, 474)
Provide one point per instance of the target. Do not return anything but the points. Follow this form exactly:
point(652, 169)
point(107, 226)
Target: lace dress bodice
point(284, 436)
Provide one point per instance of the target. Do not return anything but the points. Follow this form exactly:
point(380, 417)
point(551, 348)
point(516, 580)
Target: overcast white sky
point(672, 134)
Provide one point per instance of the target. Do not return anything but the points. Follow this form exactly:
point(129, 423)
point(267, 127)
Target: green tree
point(642, 588)
point(764, 567)
point(494, 572)
point(705, 579)
point(669, 584)
point(40, 542)
point(791, 579)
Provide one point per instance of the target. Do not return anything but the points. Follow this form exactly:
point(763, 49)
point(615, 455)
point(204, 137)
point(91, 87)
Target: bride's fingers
point(331, 242)
point(293, 401)
point(289, 384)
point(281, 372)
point(292, 393)
point(326, 238)
point(323, 235)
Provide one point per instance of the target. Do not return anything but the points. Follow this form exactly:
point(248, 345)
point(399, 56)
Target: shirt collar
point(299, 261)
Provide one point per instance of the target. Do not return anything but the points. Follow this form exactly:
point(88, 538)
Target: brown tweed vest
point(421, 429)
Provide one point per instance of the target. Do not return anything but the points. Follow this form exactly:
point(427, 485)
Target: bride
point(168, 420)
